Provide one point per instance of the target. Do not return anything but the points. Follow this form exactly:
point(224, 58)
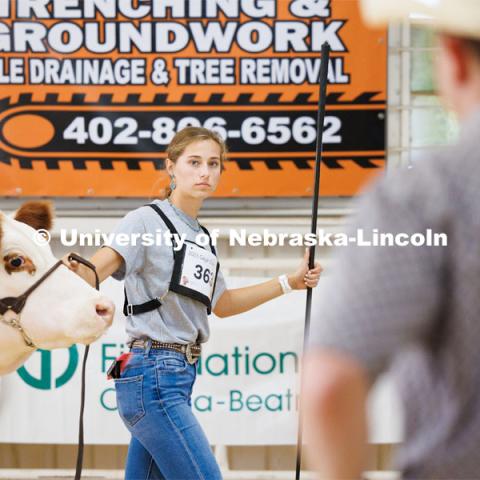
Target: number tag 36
point(199, 269)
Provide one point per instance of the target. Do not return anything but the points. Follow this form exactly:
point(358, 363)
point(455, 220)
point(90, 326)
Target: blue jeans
point(154, 402)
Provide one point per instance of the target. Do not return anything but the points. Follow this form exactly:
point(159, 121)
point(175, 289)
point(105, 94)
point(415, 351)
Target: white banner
point(245, 394)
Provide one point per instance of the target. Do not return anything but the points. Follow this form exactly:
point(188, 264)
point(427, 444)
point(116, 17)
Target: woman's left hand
point(304, 277)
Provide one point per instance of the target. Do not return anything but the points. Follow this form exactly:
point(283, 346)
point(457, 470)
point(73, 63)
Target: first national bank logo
point(43, 373)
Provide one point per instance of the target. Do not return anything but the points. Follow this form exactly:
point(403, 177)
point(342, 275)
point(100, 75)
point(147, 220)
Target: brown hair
point(188, 135)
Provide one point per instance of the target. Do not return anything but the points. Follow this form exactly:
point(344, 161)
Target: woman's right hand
point(80, 269)
point(106, 261)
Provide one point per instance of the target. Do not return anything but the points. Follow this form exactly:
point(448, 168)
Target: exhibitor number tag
point(199, 269)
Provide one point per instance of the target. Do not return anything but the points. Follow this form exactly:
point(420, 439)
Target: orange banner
point(93, 91)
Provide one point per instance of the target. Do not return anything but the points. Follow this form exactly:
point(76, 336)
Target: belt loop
point(147, 346)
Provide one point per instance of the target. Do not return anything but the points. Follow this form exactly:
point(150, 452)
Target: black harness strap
point(130, 309)
point(167, 221)
point(209, 309)
point(173, 230)
point(210, 238)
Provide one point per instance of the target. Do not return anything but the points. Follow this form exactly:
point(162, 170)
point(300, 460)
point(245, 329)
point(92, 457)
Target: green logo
point(44, 382)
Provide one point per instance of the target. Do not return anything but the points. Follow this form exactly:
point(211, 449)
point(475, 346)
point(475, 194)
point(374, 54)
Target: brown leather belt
point(191, 350)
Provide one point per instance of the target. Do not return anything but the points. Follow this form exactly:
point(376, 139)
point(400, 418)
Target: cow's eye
point(16, 262)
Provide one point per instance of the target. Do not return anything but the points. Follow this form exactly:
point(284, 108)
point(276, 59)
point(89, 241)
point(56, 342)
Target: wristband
point(283, 280)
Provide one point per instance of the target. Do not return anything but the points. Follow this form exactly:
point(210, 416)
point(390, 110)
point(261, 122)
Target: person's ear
point(458, 55)
point(169, 166)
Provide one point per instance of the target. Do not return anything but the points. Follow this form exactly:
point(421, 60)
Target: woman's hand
point(106, 261)
point(81, 270)
point(304, 277)
point(239, 300)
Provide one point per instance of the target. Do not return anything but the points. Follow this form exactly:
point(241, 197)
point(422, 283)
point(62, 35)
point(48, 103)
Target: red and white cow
point(61, 311)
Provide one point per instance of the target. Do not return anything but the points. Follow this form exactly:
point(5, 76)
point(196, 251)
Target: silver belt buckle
point(189, 355)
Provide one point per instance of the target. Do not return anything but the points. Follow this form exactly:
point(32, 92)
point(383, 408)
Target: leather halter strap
point(80, 451)
point(16, 305)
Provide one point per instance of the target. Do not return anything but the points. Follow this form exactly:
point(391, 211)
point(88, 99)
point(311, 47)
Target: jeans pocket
point(129, 392)
point(172, 365)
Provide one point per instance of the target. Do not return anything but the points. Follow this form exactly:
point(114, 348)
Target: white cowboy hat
point(458, 17)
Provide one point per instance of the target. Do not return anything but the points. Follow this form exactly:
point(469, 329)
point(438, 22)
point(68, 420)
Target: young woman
point(171, 289)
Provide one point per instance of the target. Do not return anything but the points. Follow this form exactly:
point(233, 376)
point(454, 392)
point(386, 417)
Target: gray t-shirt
point(147, 271)
point(415, 310)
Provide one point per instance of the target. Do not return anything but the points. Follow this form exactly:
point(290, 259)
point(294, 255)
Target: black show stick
point(311, 261)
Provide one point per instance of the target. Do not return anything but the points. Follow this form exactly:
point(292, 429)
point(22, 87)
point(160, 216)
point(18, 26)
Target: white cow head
point(62, 311)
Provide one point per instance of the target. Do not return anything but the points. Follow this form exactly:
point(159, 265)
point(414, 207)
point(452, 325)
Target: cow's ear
point(37, 214)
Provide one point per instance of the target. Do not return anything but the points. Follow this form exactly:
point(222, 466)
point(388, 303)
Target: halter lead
point(16, 304)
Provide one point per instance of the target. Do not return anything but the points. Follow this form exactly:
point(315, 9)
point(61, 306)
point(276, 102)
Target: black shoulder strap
point(209, 308)
point(168, 223)
point(210, 238)
point(173, 230)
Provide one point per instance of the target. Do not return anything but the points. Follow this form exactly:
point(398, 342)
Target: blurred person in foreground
point(411, 310)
